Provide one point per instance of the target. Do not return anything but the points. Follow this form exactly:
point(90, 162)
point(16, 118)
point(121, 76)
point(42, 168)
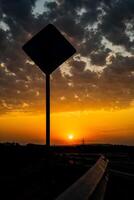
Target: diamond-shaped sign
point(49, 49)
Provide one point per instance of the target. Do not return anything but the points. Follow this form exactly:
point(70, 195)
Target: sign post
point(48, 49)
point(47, 109)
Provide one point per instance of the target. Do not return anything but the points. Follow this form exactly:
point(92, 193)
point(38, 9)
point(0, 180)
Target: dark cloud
point(92, 43)
point(77, 65)
point(113, 23)
point(85, 24)
point(18, 11)
point(121, 65)
point(99, 58)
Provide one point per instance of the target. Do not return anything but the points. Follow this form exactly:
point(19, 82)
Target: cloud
point(85, 24)
point(99, 58)
point(113, 26)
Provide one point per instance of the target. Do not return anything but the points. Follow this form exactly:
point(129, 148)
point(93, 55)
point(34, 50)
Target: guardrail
point(91, 185)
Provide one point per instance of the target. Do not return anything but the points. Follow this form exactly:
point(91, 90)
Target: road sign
point(48, 49)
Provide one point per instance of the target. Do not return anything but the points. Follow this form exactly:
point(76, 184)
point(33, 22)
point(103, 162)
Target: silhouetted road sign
point(49, 49)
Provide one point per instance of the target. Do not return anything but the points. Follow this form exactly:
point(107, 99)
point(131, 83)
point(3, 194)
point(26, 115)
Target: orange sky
point(93, 126)
point(99, 76)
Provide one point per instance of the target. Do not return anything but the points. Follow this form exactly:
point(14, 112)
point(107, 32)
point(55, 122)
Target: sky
point(92, 93)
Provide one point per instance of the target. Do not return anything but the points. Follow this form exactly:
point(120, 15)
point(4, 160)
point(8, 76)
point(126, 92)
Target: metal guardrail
point(86, 187)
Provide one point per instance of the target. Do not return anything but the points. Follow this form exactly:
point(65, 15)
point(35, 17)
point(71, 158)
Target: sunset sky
point(92, 93)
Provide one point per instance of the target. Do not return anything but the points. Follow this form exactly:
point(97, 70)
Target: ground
point(32, 172)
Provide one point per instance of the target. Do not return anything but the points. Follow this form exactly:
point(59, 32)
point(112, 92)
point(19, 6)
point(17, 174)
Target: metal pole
point(48, 110)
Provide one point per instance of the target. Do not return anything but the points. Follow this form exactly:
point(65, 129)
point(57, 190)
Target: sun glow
point(99, 126)
point(70, 136)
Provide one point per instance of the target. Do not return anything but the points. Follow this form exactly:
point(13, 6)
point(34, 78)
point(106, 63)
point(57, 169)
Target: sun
point(70, 136)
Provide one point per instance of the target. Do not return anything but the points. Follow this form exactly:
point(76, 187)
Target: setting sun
point(70, 136)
